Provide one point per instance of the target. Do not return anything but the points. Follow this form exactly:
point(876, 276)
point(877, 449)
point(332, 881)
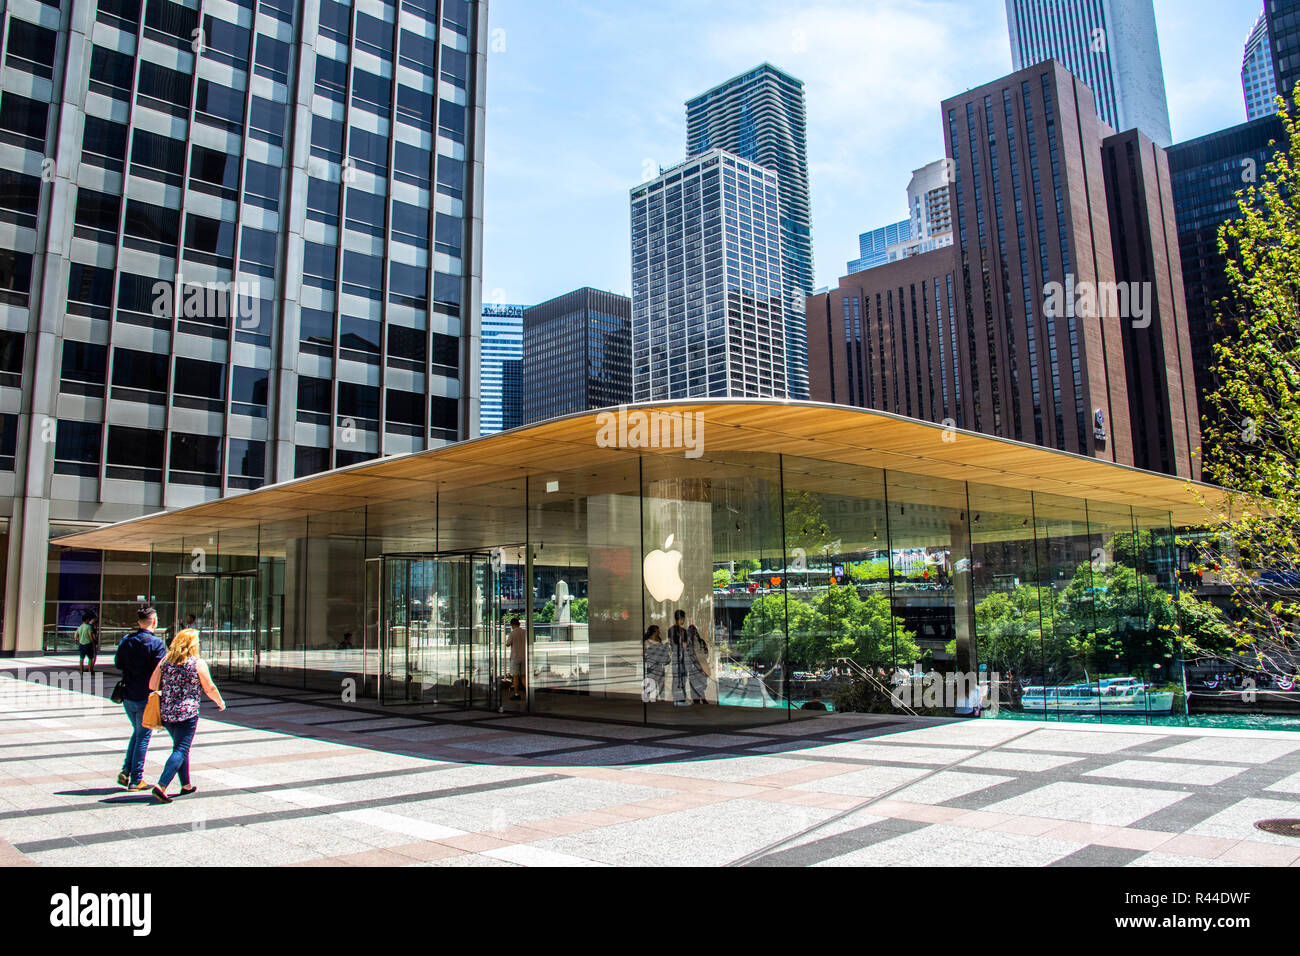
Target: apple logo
point(662, 569)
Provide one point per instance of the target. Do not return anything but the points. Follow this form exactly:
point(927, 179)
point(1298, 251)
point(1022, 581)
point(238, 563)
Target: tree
point(1253, 436)
point(836, 623)
point(721, 578)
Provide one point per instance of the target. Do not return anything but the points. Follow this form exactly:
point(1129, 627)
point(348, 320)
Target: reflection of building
point(238, 248)
point(1111, 45)
point(639, 531)
point(707, 309)
point(1057, 317)
point(1257, 83)
point(760, 116)
point(577, 354)
point(503, 343)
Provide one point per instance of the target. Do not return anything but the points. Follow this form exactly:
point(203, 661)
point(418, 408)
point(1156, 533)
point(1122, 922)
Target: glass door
point(196, 607)
point(223, 609)
point(237, 605)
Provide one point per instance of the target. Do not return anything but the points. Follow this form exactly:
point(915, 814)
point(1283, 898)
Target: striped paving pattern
point(294, 777)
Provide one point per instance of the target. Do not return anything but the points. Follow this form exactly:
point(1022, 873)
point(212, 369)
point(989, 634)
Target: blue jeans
point(178, 761)
point(138, 746)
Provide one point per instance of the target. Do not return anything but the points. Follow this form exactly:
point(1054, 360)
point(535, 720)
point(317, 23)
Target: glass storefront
point(736, 586)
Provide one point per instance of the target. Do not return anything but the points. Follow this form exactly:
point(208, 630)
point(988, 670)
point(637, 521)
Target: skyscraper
point(1257, 82)
point(1109, 44)
point(928, 226)
point(760, 116)
point(708, 302)
point(243, 246)
point(874, 245)
point(503, 342)
point(577, 354)
point(1283, 18)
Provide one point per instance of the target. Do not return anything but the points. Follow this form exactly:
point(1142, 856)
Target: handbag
point(119, 692)
point(152, 717)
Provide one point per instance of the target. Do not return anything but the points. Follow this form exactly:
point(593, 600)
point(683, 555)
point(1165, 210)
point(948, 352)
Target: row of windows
point(136, 454)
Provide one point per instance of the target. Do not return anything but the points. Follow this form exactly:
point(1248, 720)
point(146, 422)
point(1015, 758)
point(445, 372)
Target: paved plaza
point(291, 777)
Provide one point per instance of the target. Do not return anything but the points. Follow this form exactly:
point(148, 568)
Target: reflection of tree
point(804, 526)
point(577, 611)
point(836, 623)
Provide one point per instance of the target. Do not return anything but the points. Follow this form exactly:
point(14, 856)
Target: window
point(408, 285)
point(170, 23)
point(451, 177)
point(310, 461)
point(8, 442)
point(123, 14)
point(225, 42)
point(19, 197)
point(76, 448)
point(160, 158)
point(151, 228)
point(319, 263)
point(272, 59)
point(446, 354)
point(163, 89)
point(344, 458)
point(451, 121)
point(404, 412)
point(96, 216)
point(407, 348)
point(257, 251)
point(199, 384)
point(11, 358)
point(103, 143)
point(83, 370)
point(134, 454)
point(446, 293)
point(363, 275)
point(374, 36)
point(360, 404)
point(412, 164)
point(331, 78)
point(15, 277)
point(416, 52)
point(30, 48)
point(455, 16)
point(211, 241)
point(448, 233)
point(247, 463)
point(323, 201)
point(215, 172)
point(111, 73)
point(195, 460)
point(316, 332)
point(280, 9)
point(370, 92)
point(90, 290)
point(266, 121)
point(22, 121)
point(335, 21)
point(369, 151)
point(455, 67)
point(314, 400)
point(143, 300)
point(415, 107)
point(411, 224)
point(359, 339)
point(444, 418)
point(326, 138)
point(219, 106)
point(248, 389)
point(139, 376)
point(365, 212)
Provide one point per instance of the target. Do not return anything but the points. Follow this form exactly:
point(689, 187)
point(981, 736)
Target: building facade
point(761, 116)
point(1111, 45)
point(502, 344)
point(577, 354)
point(1258, 85)
point(1206, 174)
point(1067, 298)
point(1283, 18)
point(874, 246)
point(928, 226)
point(708, 293)
point(240, 246)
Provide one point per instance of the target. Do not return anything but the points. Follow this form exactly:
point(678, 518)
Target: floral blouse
point(179, 684)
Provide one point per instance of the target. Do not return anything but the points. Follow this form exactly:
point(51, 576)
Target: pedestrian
point(179, 677)
point(656, 655)
point(137, 655)
point(517, 641)
point(687, 647)
point(87, 643)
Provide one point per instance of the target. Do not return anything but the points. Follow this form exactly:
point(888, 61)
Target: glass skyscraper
point(577, 354)
point(1109, 44)
point(239, 246)
point(760, 116)
point(1257, 82)
point(707, 287)
point(873, 246)
point(502, 343)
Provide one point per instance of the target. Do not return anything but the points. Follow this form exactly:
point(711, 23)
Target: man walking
point(137, 656)
point(517, 641)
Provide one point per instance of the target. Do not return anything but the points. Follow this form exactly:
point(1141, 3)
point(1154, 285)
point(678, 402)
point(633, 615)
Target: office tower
point(577, 354)
point(512, 393)
point(1257, 83)
point(503, 341)
point(1206, 174)
point(760, 116)
point(708, 302)
point(1067, 307)
point(1283, 18)
point(928, 204)
point(874, 246)
point(242, 246)
point(1109, 44)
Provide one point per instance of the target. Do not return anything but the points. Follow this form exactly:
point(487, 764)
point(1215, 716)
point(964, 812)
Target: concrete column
point(963, 597)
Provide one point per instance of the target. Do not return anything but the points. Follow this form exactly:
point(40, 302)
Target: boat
point(1109, 695)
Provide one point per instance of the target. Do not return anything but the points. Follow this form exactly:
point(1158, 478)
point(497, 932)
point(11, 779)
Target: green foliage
point(836, 623)
point(721, 578)
point(577, 612)
point(866, 572)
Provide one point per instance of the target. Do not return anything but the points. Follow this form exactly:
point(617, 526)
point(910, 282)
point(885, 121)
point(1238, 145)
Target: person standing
point(517, 641)
point(179, 677)
point(656, 655)
point(688, 647)
point(87, 643)
point(137, 656)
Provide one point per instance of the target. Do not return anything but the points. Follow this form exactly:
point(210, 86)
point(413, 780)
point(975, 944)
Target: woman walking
point(180, 676)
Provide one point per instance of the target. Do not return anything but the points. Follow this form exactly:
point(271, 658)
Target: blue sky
point(585, 97)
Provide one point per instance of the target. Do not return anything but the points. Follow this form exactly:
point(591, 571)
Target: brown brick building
point(1066, 324)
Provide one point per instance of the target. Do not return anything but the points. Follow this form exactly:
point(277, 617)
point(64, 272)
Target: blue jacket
point(137, 655)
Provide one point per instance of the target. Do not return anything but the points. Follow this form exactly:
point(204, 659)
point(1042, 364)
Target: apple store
point(803, 551)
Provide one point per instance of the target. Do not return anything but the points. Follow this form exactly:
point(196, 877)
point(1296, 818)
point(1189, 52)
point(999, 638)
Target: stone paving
point(294, 777)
